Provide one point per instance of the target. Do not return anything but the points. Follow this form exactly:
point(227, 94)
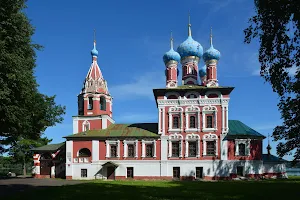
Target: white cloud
point(216, 5)
point(140, 86)
point(135, 117)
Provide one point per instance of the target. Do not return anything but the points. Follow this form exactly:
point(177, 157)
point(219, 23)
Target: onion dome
point(190, 47)
point(171, 54)
point(211, 53)
point(94, 51)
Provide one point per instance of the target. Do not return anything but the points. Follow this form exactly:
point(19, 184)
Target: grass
point(158, 190)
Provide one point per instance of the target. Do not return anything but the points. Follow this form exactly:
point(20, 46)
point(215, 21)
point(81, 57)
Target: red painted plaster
point(77, 145)
point(255, 151)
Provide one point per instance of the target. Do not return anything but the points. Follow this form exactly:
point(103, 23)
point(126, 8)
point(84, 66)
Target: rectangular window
point(149, 150)
point(242, 149)
point(210, 148)
point(175, 122)
point(209, 121)
point(83, 173)
point(199, 172)
point(113, 150)
point(90, 105)
point(192, 149)
point(129, 172)
point(175, 149)
point(130, 150)
point(176, 172)
point(192, 122)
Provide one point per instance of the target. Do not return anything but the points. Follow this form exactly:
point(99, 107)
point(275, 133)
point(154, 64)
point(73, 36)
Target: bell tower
point(94, 100)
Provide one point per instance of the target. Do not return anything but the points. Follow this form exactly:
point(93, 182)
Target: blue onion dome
point(94, 51)
point(211, 54)
point(190, 47)
point(202, 71)
point(171, 54)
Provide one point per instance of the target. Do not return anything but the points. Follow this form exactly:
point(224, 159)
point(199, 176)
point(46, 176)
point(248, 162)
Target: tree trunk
point(24, 167)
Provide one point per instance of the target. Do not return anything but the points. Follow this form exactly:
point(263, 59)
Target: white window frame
point(242, 141)
point(210, 137)
point(144, 142)
point(192, 138)
point(108, 144)
point(190, 111)
point(175, 138)
point(86, 122)
point(209, 110)
point(174, 111)
point(135, 143)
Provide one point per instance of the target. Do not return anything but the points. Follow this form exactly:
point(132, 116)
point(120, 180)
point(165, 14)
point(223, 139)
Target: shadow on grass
point(273, 189)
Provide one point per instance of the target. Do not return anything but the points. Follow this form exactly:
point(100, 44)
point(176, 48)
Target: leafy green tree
point(22, 152)
point(24, 111)
point(276, 25)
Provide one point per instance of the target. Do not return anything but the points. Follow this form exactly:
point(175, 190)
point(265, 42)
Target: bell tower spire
point(94, 99)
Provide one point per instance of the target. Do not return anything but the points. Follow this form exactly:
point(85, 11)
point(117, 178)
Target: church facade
point(193, 138)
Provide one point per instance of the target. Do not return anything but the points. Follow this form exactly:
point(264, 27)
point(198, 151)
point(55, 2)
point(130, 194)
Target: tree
point(24, 111)
point(276, 25)
point(22, 152)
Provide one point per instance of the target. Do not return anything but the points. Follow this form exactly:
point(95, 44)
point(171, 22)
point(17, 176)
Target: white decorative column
point(118, 147)
point(170, 148)
point(95, 150)
point(69, 159)
point(224, 148)
point(107, 149)
point(154, 148)
point(198, 150)
point(136, 148)
point(125, 149)
point(204, 147)
point(159, 121)
point(143, 149)
point(163, 121)
point(181, 147)
point(223, 119)
point(186, 148)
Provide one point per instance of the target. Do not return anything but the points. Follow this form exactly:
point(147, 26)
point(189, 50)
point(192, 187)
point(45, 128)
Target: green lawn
point(136, 190)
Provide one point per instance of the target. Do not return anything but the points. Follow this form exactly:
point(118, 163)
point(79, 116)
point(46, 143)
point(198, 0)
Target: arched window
point(102, 103)
point(84, 152)
point(90, 106)
point(175, 122)
point(192, 122)
point(46, 156)
point(242, 149)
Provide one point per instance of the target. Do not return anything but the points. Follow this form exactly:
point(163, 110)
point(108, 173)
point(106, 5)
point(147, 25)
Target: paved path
point(12, 185)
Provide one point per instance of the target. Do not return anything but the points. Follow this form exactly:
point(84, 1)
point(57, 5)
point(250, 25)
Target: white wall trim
point(246, 142)
point(86, 122)
point(209, 137)
point(110, 142)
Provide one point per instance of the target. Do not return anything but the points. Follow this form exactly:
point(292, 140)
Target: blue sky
point(132, 37)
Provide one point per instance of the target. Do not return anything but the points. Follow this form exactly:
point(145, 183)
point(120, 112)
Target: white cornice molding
point(199, 102)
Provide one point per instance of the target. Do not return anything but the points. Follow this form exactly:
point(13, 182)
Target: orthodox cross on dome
point(171, 40)
point(94, 35)
point(211, 44)
point(189, 26)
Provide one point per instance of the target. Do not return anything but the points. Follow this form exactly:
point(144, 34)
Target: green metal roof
point(238, 128)
point(121, 130)
point(49, 147)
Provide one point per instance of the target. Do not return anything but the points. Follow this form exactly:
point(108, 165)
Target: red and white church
point(193, 139)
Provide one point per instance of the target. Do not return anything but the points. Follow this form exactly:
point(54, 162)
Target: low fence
point(293, 171)
point(14, 168)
